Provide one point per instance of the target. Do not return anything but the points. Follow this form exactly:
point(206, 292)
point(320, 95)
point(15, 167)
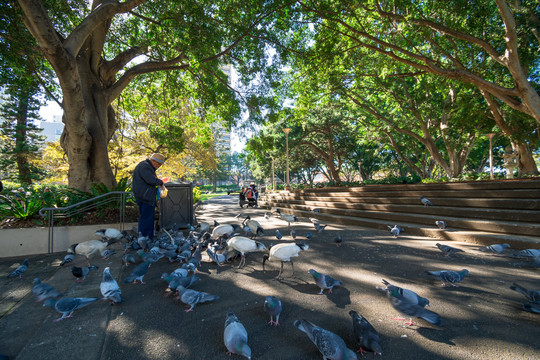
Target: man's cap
point(158, 157)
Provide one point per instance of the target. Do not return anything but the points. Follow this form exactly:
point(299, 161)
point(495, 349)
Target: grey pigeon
point(449, 276)
point(193, 297)
point(293, 233)
point(534, 308)
point(138, 273)
point(365, 334)
point(128, 258)
point(109, 288)
point(235, 336)
point(425, 201)
point(320, 228)
point(216, 257)
point(448, 250)
point(278, 235)
point(272, 305)
point(496, 248)
point(108, 253)
point(67, 259)
point(324, 281)
point(329, 344)
point(531, 295)
point(529, 253)
point(309, 235)
point(44, 291)
point(409, 295)
point(440, 224)
point(20, 270)
point(66, 306)
point(81, 272)
point(407, 307)
point(150, 257)
point(317, 210)
point(338, 240)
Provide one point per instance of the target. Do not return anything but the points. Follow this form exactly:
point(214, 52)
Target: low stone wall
point(32, 241)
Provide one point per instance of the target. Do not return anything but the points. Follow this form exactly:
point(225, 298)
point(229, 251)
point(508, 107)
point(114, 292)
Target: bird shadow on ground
point(435, 335)
point(340, 296)
point(466, 289)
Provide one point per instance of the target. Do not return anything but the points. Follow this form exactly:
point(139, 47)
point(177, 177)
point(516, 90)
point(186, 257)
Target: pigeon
point(440, 224)
point(409, 295)
point(278, 235)
point(309, 236)
point(314, 220)
point(235, 336)
point(109, 288)
point(108, 253)
point(81, 272)
point(284, 252)
point(448, 250)
point(365, 334)
point(316, 210)
point(267, 216)
point(193, 297)
point(138, 273)
point(20, 270)
point(449, 276)
point(204, 227)
point(324, 281)
point(329, 344)
point(495, 248)
point(338, 240)
point(529, 253)
point(128, 258)
point(216, 257)
point(67, 259)
point(150, 256)
point(405, 306)
point(534, 308)
point(425, 201)
point(272, 305)
point(531, 295)
point(320, 227)
point(395, 230)
point(44, 291)
point(67, 305)
point(293, 234)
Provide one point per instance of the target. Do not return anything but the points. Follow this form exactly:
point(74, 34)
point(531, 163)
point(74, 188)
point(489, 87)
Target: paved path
point(483, 317)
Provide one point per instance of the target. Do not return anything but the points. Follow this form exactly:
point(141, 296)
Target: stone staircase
point(485, 212)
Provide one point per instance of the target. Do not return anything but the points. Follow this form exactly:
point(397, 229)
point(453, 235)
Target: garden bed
point(91, 217)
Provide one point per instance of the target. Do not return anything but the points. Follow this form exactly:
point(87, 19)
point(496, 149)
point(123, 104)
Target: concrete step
point(471, 236)
point(472, 212)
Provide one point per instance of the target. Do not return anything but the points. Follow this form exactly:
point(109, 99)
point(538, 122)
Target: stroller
point(242, 200)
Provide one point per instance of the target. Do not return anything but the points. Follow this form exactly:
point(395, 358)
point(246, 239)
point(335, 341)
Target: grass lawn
point(205, 197)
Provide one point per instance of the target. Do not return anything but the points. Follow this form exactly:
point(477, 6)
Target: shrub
point(196, 194)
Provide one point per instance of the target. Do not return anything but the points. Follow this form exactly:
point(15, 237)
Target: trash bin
point(176, 210)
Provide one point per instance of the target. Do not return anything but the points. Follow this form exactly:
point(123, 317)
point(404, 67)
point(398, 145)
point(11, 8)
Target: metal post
point(273, 177)
point(490, 137)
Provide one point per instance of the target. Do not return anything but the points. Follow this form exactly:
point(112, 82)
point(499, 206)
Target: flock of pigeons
point(225, 242)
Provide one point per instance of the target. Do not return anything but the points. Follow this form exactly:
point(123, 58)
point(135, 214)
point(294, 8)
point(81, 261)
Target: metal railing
point(119, 197)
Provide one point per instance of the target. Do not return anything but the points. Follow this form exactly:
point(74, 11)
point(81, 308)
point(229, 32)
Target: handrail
point(68, 211)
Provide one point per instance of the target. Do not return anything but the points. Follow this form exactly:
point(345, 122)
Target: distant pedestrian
point(145, 183)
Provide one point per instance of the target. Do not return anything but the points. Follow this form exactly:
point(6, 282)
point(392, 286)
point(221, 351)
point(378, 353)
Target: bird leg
point(190, 309)
point(361, 351)
point(88, 261)
point(278, 277)
point(321, 293)
point(292, 266)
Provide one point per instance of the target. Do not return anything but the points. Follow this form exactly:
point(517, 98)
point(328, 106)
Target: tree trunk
point(21, 154)
point(525, 159)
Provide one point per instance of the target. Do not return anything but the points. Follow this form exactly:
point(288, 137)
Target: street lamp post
point(287, 131)
point(490, 137)
point(273, 176)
